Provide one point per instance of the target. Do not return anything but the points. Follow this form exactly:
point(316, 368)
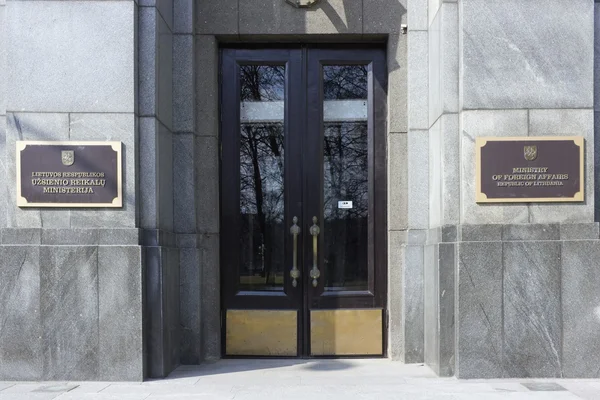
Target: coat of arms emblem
point(530, 152)
point(68, 157)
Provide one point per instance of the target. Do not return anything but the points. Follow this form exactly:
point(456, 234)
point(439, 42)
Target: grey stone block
point(164, 70)
point(417, 15)
point(187, 240)
point(207, 184)
point(396, 260)
point(566, 123)
point(435, 68)
point(20, 236)
point(480, 233)
point(32, 126)
point(20, 323)
point(184, 209)
point(62, 237)
point(217, 18)
point(418, 179)
point(165, 8)
point(3, 63)
point(4, 171)
point(165, 178)
point(531, 232)
point(511, 45)
point(190, 309)
point(597, 162)
point(479, 311)
point(278, 17)
point(579, 231)
point(210, 289)
point(446, 281)
point(450, 57)
point(120, 319)
point(449, 233)
point(596, 55)
point(413, 304)
point(148, 60)
point(54, 70)
point(207, 85)
point(416, 236)
point(183, 83)
point(418, 76)
point(69, 311)
point(532, 309)
point(387, 16)
point(113, 127)
point(148, 181)
point(488, 123)
point(157, 237)
point(119, 237)
point(397, 182)
point(580, 280)
point(450, 169)
point(431, 307)
point(435, 172)
point(183, 16)
point(397, 70)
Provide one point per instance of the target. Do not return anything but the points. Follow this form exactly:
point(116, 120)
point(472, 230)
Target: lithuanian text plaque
point(69, 174)
point(529, 169)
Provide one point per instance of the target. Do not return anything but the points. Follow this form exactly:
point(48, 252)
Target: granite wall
point(499, 279)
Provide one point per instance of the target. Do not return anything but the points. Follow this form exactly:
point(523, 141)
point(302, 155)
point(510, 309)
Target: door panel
point(303, 201)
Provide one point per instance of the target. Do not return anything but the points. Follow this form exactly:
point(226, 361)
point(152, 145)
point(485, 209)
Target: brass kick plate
point(262, 333)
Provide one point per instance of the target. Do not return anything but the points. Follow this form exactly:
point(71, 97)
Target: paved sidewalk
point(305, 380)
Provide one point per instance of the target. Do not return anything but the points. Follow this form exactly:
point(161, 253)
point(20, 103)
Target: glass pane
point(261, 177)
point(345, 171)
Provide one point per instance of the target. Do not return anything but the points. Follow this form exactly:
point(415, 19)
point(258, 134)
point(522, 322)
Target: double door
point(303, 202)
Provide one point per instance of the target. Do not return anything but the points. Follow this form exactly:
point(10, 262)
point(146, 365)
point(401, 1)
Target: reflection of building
point(472, 290)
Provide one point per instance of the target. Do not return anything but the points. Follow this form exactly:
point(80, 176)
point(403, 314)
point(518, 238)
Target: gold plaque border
point(116, 146)
point(482, 197)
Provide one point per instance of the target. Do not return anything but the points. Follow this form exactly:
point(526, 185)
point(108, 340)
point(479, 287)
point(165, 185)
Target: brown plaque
point(69, 174)
point(530, 169)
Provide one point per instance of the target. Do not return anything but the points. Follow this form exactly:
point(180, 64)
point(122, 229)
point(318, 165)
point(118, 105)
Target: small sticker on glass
point(345, 205)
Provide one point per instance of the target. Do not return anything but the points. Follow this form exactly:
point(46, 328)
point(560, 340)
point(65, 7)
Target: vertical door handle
point(295, 272)
point(314, 272)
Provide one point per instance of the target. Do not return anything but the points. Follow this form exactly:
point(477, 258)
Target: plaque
point(529, 169)
point(69, 174)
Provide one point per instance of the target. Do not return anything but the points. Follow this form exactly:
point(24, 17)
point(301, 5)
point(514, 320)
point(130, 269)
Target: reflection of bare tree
point(345, 152)
point(261, 175)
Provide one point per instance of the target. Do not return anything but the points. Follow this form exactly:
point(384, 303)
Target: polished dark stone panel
point(190, 305)
point(158, 237)
point(211, 305)
point(20, 322)
point(449, 233)
point(121, 355)
point(162, 312)
point(479, 297)
point(532, 320)
point(413, 304)
point(431, 313)
point(446, 308)
point(580, 302)
point(480, 233)
point(171, 311)
point(531, 232)
point(69, 310)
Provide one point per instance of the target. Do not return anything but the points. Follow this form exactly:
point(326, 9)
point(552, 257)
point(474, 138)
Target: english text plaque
point(529, 169)
point(69, 174)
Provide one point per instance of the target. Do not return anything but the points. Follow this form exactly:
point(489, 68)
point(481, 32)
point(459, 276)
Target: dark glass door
point(303, 197)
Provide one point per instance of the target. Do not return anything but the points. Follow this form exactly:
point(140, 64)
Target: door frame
point(377, 143)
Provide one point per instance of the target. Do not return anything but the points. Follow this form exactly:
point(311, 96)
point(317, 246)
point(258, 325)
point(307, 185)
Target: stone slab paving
point(306, 380)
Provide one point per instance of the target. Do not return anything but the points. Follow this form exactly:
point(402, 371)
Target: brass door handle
point(314, 272)
point(295, 272)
